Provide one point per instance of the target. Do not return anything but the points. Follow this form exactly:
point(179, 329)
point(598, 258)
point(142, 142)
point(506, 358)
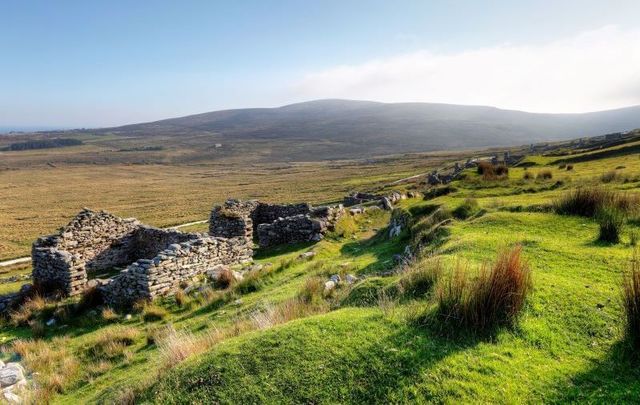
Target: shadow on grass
point(266, 253)
point(616, 379)
point(380, 246)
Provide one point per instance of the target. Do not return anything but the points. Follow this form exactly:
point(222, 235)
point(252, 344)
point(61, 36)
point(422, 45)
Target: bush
point(527, 175)
point(468, 207)
point(420, 278)
point(631, 302)
point(544, 175)
point(501, 170)
point(562, 166)
point(569, 167)
point(611, 221)
point(494, 299)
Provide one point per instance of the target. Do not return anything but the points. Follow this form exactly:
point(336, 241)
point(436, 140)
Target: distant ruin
point(155, 261)
point(272, 224)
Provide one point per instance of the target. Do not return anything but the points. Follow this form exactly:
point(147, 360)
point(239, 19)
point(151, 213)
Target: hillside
point(363, 128)
point(277, 337)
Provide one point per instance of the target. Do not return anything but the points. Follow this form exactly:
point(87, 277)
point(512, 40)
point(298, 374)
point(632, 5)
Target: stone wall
point(9, 302)
point(92, 241)
point(160, 275)
point(156, 260)
point(309, 227)
point(271, 224)
point(233, 219)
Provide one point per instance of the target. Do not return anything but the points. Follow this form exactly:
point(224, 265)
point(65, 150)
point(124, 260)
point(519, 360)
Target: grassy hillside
point(277, 338)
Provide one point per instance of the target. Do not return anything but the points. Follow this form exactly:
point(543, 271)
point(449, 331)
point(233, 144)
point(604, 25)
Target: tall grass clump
point(611, 222)
point(468, 207)
point(494, 299)
point(421, 277)
point(631, 302)
point(588, 202)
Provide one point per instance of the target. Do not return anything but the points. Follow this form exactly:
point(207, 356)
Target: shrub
point(420, 278)
point(152, 312)
point(527, 175)
point(611, 221)
point(631, 302)
point(494, 299)
point(562, 166)
point(468, 207)
point(544, 175)
point(569, 167)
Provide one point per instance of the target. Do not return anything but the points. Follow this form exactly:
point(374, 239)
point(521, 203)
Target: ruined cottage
point(147, 261)
point(272, 224)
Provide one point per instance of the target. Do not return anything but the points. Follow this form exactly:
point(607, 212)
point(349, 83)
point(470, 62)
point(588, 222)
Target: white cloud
point(591, 71)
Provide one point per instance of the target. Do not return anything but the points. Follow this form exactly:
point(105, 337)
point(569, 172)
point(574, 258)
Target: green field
point(364, 342)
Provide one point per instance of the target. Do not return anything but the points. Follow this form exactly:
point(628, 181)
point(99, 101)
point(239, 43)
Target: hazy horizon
point(79, 64)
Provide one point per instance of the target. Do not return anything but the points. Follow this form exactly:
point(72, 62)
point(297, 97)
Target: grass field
point(363, 343)
point(38, 200)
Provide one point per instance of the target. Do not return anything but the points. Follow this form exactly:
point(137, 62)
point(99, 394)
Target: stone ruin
point(272, 224)
point(384, 201)
point(155, 261)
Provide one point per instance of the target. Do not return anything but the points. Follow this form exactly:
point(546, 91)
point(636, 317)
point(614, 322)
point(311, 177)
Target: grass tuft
point(631, 302)
point(494, 299)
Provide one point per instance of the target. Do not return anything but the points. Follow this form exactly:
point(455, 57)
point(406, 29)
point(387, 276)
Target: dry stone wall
point(272, 224)
point(156, 260)
point(158, 276)
point(92, 241)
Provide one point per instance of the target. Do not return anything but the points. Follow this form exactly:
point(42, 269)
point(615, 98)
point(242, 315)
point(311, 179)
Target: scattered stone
point(11, 397)
point(335, 278)
point(127, 317)
point(329, 285)
point(51, 322)
point(350, 278)
point(10, 375)
point(306, 255)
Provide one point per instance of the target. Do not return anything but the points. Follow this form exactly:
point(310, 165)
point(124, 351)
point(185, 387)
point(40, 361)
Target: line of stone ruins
point(150, 262)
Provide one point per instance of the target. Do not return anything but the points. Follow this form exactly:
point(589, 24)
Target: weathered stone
point(10, 375)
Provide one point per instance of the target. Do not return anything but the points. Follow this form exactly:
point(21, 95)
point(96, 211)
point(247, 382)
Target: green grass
point(568, 345)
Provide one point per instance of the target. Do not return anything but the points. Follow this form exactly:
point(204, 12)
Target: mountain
point(346, 128)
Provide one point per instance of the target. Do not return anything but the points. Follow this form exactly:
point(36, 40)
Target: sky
point(73, 64)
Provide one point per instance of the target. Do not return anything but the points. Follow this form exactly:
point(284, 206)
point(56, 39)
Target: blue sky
point(101, 63)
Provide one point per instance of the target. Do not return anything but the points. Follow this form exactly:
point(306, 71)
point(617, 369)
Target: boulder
point(10, 375)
